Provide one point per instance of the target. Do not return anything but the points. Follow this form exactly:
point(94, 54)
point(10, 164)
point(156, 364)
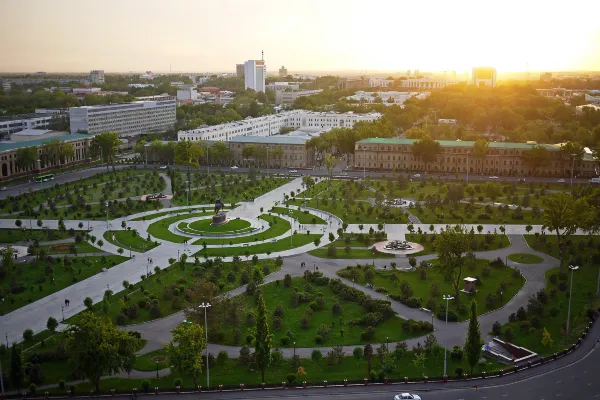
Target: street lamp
point(107, 215)
point(156, 368)
point(387, 339)
point(292, 234)
point(205, 306)
point(573, 268)
point(294, 349)
point(447, 298)
point(572, 167)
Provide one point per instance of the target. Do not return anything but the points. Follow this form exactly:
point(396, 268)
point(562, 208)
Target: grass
point(525, 258)
point(302, 217)
point(485, 242)
point(277, 227)
point(70, 248)
point(19, 235)
point(430, 290)
point(35, 278)
point(165, 213)
point(129, 239)
point(160, 229)
point(341, 331)
point(271, 247)
point(356, 212)
point(472, 214)
point(147, 362)
point(204, 226)
point(340, 253)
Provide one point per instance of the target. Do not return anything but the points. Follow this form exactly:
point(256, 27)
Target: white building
point(188, 92)
point(283, 85)
point(86, 90)
point(593, 97)
point(380, 82)
point(581, 109)
point(97, 77)
point(397, 98)
point(18, 123)
point(255, 72)
point(140, 85)
point(126, 119)
point(306, 77)
point(6, 86)
point(271, 124)
point(289, 96)
point(484, 76)
point(427, 83)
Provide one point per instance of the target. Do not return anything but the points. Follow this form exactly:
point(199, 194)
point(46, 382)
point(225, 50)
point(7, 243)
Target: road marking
point(557, 382)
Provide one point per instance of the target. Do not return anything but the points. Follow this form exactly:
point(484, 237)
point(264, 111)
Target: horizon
point(190, 36)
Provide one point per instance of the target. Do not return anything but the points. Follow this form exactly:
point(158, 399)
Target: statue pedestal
point(219, 219)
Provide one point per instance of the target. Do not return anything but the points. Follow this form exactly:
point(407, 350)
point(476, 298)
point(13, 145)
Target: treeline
point(18, 101)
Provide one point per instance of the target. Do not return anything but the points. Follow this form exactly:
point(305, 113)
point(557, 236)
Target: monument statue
point(220, 217)
point(219, 205)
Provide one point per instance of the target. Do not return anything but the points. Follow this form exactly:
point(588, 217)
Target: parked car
point(407, 396)
point(293, 171)
point(234, 167)
point(163, 167)
point(561, 181)
point(416, 175)
point(493, 177)
point(3, 188)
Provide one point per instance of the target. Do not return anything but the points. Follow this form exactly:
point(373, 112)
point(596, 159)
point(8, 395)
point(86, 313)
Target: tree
point(368, 354)
point(105, 145)
point(96, 347)
point(570, 153)
point(88, 303)
point(262, 349)
point(451, 244)
point(564, 215)
point(185, 349)
point(536, 157)
point(26, 158)
point(473, 342)
point(546, 338)
point(52, 324)
point(427, 150)
point(17, 374)
point(480, 148)
point(419, 361)
point(358, 354)
point(330, 162)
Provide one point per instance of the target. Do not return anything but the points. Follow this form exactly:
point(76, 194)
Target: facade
point(97, 77)
point(283, 151)
point(17, 123)
point(239, 70)
point(255, 73)
point(502, 159)
point(188, 92)
point(353, 83)
point(289, 96)
point(84, 91)
point(593, 97)
point(397, 97)
point(46, 161)
point(282, 71)
point(484, 77)
point(127, 119)
point(380, 82)
point(271, 125)
point(283, 85)
point(427, 83)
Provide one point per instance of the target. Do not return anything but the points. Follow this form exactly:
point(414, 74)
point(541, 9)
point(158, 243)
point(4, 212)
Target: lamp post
point(572, 167)
point(292, 234)
point(205, 306)
point(573, 268)
point(107, 215)
point(294, 349)
point(387, 340)
point(364, 163)
point(156, 369)
point(447, 298)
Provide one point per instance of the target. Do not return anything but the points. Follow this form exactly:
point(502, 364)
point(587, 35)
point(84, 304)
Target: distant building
point(380, 82)
point(188, 92)
point(484, 77)
point(283, 86)
point(285, 151)
point(51, 110)
point(306, 77)
point(427, 83)
point(387, 98)
point(128, 119)
point(353, 83)
point(283, 71)
point(446, 121)
point(6, 86)
point(593, 97)
point(18, 123)
point(239, 70)
point(86, 90)
point(255, 73)
point(289, 96)
point(140, 85)
point(97, 77)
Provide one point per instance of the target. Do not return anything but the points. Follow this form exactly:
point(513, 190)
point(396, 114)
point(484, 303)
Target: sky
point(303, 35)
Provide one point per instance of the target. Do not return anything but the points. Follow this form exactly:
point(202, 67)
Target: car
point(163, 167)
point(344, 174)
point(416, 175)
point(493, 177)
point(561, 181)
point(234, 167)
point(3, 188)
point(407, 396)
point(293, 171)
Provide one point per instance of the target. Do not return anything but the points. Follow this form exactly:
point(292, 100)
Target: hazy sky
point(304, 35)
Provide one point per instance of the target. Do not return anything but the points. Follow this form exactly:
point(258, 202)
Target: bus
point(44, 178)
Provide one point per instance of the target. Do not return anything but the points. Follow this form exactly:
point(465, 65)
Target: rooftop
point(275, 139)
point(457, 143)
point(4, 146)
point(23, 116)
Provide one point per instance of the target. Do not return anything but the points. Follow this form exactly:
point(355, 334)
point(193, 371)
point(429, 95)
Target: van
point(595, 180)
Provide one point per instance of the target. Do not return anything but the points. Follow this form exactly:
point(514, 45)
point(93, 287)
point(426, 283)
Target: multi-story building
point(127, 119)
point(17, 123)
point(289, 96)
point(239, 70)
point(255, 73)
point(281, 151)
point(46, 161)
point(380, 82)
point(271, 124)
point(353, 83)
point(282, 71)
point(427, 83)
point(283, 86)
point(97, 77)
point(502, 158)
point(396, 97)
point(187, 92)
point(484, 76)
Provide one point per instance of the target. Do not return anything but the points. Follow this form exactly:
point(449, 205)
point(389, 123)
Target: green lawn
point(205, 226)
point(525, 258)
point(365, 240)
point(303, 217)
point(160, 229)
point(340, 253)
point(35, 278)
point(273, 247)
point(473, 214)
point(162, 214)
point(129, 239)
point(18, 235)
point(70, 248)
point(356, 212)
point(339, 329)
point(277, 227)
point(480, 242)
point(148, 361)
point(432, 289)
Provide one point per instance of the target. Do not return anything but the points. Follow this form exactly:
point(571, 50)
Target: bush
point(146, 385)
point(452, 316)
point(512, 317)
point(285, 340)
point(290, 378)
point(554, 311)
point(336, 309)
point(28, 335)
point(457, 353)
point(413, 302)
point(121, 319)
point(524, 326)
point(521, 314)
point(373, 376)
point(553, 279)
point(318, 339)
point(536, 322)
point(508, 335)
point(497, 328)
point(32, 389)
point(177, 382)
point(458, 371)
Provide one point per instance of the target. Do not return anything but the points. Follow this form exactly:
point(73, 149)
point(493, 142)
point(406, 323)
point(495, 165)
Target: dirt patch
point(61, 247)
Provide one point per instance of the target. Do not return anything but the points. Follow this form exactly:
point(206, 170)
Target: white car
point(407, 396)
point(493, 177)
point(561, 181)
point(163, 167)
point(416, 175)
point(3, 188)
point(293, 171)
point(234, 167)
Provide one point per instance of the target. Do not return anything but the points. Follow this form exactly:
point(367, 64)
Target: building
point(283, 86)
point(447, 121)
point(283, 71)
point(97, 77)
point(51, 110)
point(581, 109)
point(284, 151)
point(593, 97)
point(127, 119)
point(503, 158)
point(188, 92)
point(306, 77)
point(380, 82)
point(84, 91)
point(271, 125)
point(353, 83)
point(17, 123)
point(562, 93)
point(47, 160)
point(255, 73)
point(239, 70)
point(427, 83)
point(140, 85)
point(289, 96)
point(484, 77)
point(387, 98)
point(6, 86)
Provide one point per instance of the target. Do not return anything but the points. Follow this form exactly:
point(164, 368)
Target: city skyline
point(311, 36)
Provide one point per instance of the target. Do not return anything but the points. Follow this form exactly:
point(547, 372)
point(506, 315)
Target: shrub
point(285, 340)
point(553, 279)
point(61, 384)
point(413, 302)
point(32, 389)
point(287, 280)
point(458, 371)
point(318, 339)
point(336, 309)
point(146, 385)
point(457, 353)
point(121, 319)
point(373, 376)
point(497, 328)
point(536, 322)
point(462, 309)
point(524, 326)
point(508, 335)
point(28, 335)
point(290, 378)
point(155, 311)
point(177, 382)
point(452, 316)
point(521, 314)
point(512, 317)
point(554, 311)
point(368, 334)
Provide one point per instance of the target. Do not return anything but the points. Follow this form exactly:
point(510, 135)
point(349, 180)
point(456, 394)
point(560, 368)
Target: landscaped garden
point(525, 258)
point(26, 234)
point(424, 287)
point(484, 242)
point(160, 228)
point(302, 217)
point(129, 239)
point(277, 227)
point(298, 240)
